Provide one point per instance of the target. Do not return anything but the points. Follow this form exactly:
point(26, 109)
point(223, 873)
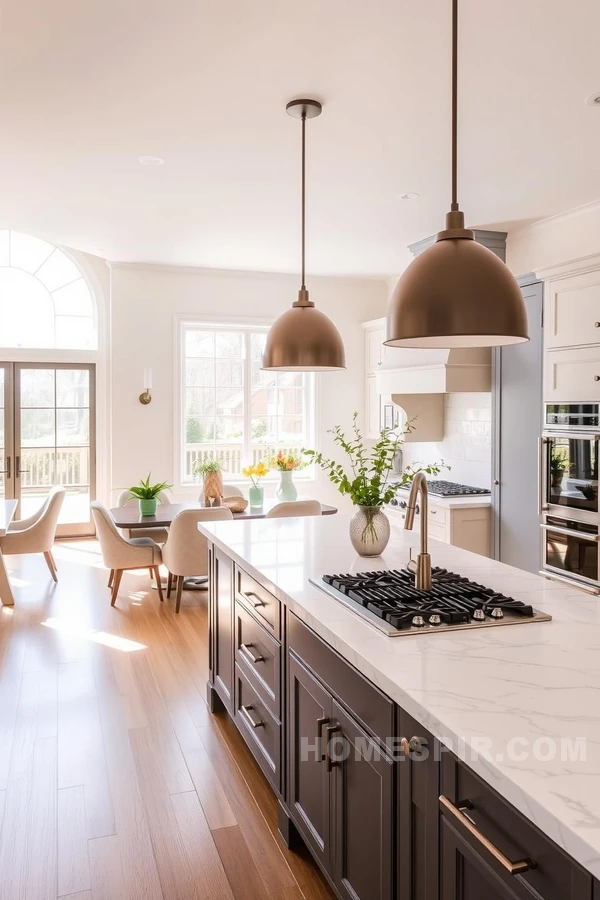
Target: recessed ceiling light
point(593, 99)
point(151, 160)
point(411, 195)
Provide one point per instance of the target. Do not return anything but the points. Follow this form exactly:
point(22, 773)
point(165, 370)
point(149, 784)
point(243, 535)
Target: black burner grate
point(452, 600)
point(452, 489)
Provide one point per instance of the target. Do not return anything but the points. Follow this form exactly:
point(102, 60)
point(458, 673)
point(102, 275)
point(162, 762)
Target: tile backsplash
point(467, 444)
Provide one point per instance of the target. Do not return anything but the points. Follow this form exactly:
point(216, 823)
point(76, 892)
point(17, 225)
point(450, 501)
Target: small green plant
point(559, 460)
point(203, 468)
point(368, 482)
point(147, 491)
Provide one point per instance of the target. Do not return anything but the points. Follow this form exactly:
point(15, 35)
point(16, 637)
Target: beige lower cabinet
point(461, 526)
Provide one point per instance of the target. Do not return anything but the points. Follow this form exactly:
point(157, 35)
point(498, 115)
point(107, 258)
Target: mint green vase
point(287, 488)
point(256, 497)
point(148, 507)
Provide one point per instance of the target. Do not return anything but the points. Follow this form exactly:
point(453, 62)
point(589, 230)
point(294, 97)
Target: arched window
point(45, 301)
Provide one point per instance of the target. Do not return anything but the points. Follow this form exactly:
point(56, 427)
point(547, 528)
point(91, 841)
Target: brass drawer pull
point(320, 724)
point(254, 603)
point(245, 648)
point(246, 710)
point(458, 812)
point(330, 730)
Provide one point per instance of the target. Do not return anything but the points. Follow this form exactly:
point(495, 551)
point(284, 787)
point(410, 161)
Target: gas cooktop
point(390, 601)
point(451, 489)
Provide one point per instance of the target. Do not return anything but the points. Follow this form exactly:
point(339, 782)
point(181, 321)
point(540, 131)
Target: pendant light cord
point(303, 287)
point(454, 204)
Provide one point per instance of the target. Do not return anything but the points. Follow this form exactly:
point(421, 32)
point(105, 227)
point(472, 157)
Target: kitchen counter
point(489, 695)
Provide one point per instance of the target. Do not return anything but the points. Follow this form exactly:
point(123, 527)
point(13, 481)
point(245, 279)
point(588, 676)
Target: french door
point(47, 437)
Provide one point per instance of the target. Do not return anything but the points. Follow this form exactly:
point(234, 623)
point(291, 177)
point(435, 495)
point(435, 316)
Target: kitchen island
point(516, 707)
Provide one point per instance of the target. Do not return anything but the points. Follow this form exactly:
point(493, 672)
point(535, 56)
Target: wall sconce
point(146, 396)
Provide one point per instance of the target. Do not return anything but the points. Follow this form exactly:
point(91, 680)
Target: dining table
point(7, 514)
point(129, 516)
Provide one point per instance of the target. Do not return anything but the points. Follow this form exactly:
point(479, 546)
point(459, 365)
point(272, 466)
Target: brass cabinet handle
point(458, 812)
point(596, 324)
point(247, 712)
point(596, 377)
point(330, 730)
point(415, 743)
point(254, 603)
point(245, 648)
point(320, 724)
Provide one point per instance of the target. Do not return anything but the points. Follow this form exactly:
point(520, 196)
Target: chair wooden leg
point(179, 590)
point(158, 583)
point(118, 573)
point(111, 578)
point(169, 584)
point(51, 564)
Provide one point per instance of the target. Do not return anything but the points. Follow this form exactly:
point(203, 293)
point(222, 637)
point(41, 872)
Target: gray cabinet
point(517, 425)
point(222, 628)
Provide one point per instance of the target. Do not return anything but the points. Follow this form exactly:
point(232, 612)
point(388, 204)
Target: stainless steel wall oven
point(568, 489)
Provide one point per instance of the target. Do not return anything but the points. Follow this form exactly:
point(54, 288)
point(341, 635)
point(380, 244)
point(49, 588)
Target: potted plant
point(212, 480)
point(256, 494)
point(286, 464)
point(147, 495)
point(559, 464)
point(367, 483)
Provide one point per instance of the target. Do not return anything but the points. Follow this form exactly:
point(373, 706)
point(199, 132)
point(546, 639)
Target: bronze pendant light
point(456, 293)
point(303, 339)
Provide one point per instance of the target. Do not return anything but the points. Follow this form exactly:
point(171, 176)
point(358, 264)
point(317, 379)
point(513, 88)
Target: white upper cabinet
point(572, 311)
point(374, 348)
point(572, 376)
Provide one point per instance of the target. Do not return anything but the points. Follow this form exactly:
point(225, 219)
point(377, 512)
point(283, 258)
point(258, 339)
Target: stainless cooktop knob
point(479, 615)
point(435, 619)
point(497, 613)
point(418, 620)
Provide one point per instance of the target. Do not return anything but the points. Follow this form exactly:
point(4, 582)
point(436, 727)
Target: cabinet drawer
point(571, 375)
point(437, 531)
point(258, 652)
point(259, 728)
point(500, 827)
point(368, 704)
point(263, 604)
point(438, 515)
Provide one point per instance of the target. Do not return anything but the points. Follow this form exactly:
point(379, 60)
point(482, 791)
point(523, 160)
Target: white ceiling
point(87, 88)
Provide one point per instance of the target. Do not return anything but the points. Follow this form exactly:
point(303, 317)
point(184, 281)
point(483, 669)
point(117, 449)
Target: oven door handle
point(592, 538)
point(572, 435)
point(542, 479)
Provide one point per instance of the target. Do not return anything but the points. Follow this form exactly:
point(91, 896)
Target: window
point(231, 410)
point(45, 302)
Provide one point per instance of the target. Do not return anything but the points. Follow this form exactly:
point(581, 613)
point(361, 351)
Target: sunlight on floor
point(89, 634)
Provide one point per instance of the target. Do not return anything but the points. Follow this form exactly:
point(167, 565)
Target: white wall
point(145, 301)
point(467, 443)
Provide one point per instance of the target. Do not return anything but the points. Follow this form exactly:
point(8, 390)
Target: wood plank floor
point(116, 783)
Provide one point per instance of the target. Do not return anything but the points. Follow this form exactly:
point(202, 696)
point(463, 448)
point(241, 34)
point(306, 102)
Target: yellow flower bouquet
point(256, 494)
point(287, 462)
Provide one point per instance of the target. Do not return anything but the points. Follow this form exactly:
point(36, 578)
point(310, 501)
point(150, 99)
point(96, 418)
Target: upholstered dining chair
point(294, 508)
point(157, 534)
point(186, 552)
point(36, 533)
point(119, 553)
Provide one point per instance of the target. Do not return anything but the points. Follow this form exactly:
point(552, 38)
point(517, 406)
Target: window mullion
point(247, 437)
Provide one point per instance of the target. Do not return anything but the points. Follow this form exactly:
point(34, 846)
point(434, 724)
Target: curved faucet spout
point(423, 572)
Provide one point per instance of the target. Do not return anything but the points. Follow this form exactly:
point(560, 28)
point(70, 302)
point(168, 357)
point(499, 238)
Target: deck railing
point(231, 456)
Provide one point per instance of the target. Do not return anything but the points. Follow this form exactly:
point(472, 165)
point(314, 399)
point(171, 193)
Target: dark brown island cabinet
point(386, 812)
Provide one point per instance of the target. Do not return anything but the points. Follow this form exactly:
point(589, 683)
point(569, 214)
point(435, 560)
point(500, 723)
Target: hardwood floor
point(116, 783)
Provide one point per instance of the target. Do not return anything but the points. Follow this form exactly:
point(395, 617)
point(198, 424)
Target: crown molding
point(572, 267)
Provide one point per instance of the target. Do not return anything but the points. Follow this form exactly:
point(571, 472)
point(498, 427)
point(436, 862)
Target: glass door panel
point(54, 425)
point(6, 432)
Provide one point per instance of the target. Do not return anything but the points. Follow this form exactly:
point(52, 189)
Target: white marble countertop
point(511, 697)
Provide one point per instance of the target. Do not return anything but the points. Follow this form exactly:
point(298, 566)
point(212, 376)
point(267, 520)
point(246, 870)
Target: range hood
point(417, 381)
point(436, 371)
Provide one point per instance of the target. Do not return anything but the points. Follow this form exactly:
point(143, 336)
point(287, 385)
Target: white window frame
point(247, 325)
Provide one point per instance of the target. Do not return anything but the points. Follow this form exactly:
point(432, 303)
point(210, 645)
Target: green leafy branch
point(367, 482)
